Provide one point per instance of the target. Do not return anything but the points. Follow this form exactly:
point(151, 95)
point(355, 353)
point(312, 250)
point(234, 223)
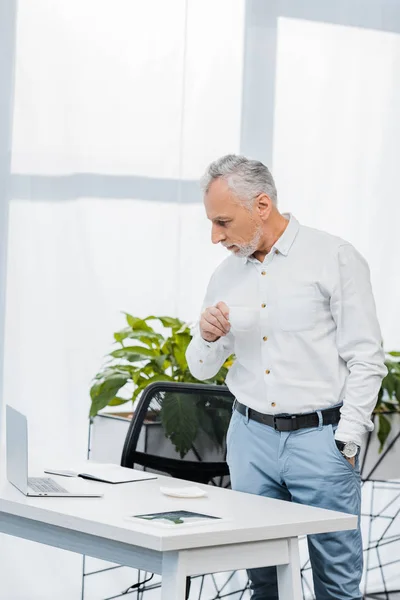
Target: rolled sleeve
point(359, 343)
point(206, 358)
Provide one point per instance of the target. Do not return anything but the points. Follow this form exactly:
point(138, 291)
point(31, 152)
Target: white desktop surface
point(252, 528)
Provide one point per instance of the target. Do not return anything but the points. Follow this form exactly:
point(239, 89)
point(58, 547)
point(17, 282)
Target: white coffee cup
point(242, 318)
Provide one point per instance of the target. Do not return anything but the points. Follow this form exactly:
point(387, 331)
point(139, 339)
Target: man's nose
point(217, 236)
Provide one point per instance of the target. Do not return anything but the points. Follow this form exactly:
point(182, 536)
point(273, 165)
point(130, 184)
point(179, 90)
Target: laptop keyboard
point(45, 485)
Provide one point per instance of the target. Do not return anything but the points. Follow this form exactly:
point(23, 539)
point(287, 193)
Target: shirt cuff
point(350, 431)
point(205, 347)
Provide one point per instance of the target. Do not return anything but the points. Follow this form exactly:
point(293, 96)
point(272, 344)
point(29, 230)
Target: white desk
point(259, 532)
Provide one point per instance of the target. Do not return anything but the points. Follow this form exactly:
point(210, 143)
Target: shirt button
point(267, 371)
point(200, 361)
point(273, 404)
point(276, 251)
point(263, 305)
point(263, 272)
point(265, 338)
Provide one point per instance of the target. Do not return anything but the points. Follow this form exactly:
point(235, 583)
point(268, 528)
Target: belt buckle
point(291, 418)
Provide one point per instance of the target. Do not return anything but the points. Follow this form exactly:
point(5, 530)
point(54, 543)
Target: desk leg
point(173, 584)
point(289, 581)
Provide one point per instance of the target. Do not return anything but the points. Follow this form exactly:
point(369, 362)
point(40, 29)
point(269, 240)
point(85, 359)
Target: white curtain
point(118, 108)
point(337, 143)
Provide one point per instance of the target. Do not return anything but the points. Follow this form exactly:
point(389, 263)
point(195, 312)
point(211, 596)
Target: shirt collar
point(284, 243)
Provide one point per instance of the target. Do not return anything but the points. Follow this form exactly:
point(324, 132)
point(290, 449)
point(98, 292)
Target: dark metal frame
point(385, 538)
point(371, 544)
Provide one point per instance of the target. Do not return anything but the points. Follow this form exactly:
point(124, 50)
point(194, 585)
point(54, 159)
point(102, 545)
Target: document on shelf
point(104, 472)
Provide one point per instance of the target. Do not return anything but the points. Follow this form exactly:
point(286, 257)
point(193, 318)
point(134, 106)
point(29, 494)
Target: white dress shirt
point(314, 339)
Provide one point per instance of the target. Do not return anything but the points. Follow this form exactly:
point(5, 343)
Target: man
point(311, 351)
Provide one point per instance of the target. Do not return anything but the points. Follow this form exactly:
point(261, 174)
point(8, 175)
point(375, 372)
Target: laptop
point(17, 462)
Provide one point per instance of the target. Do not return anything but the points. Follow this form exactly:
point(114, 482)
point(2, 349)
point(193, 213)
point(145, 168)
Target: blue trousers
point(303, 466)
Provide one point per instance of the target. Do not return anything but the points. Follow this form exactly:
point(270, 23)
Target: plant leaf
point(117, 401)
point(104, 391)
point(159, 362)
point(384, 430)
point(379, 400)
point(135, 353)
point(119, 336)
point(397, 395)
point(221, 375)
point(143, 350)
point(143, 383)
point(137, 323)
point(146, 337)
point(111, 370)
point(180, 421)
point(184, 329)
point(168, 322)
point(394, 353)
point(388, 384)
point(149, 335)
point(179, 346)
point(214, 418)
point(229, 361)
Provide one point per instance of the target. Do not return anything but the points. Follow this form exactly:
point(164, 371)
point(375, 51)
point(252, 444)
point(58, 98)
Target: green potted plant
point(143, 355)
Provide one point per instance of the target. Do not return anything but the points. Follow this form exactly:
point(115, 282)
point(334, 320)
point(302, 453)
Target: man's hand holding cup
point(214, 322)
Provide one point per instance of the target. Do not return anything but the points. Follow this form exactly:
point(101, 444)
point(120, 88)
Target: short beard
point(246, 250)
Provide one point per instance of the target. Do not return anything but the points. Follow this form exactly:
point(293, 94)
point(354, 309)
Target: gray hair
point(246, 178)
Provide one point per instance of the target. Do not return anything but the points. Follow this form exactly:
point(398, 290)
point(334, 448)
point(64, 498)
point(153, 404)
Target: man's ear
point(264, 206)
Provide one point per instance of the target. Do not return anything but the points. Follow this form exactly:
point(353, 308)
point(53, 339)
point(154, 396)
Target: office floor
point(109, 584)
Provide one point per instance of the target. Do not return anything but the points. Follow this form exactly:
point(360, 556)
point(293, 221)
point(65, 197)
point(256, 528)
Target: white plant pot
point(108, 434)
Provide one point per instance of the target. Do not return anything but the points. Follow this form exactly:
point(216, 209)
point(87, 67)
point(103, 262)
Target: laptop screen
point(17, 449)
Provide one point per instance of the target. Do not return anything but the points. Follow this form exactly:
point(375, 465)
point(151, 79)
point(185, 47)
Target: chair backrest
point(179, 429)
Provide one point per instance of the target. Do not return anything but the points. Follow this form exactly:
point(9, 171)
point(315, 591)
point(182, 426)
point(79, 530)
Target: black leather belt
point(330, 416)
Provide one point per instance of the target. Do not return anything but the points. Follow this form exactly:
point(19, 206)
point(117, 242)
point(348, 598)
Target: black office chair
point(179, 429)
